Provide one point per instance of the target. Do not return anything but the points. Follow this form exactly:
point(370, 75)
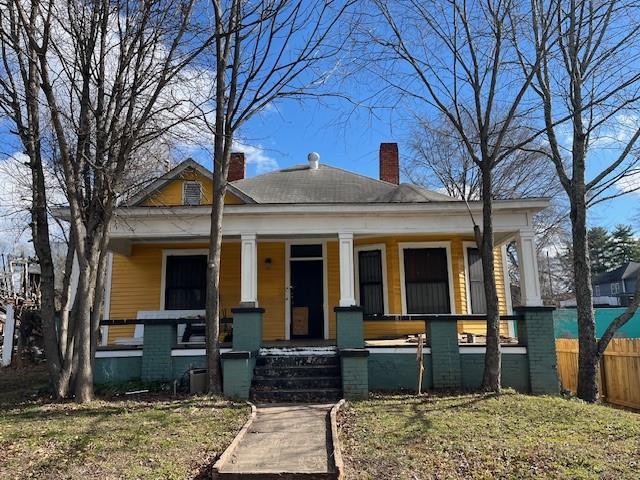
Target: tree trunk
point(587, 345)
point(213, 287)
point(491, 380)
point(83, 376)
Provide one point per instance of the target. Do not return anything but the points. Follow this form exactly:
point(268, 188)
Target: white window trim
point(383, 253)
point(174, 253)
point(447, 246)
point(467, 284)
point(617, 285)
point(287, 282)
point(596, 290)
point(184, 185)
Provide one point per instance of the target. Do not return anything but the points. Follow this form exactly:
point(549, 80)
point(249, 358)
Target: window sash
point(371, 281)
point(185, 282)
point(476, 281)
point(426, 280)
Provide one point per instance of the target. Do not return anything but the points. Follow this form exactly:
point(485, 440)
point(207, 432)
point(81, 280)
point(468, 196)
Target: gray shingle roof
point(301, 184)
point(624, 271)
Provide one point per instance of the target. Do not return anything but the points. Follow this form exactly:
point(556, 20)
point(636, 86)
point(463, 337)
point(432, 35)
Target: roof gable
point(167, 189)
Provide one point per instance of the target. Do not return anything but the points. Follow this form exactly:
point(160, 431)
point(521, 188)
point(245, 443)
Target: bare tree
point(589, 85)
point(264, 51)
point(96, 78)
point(441, 161)
point(457, 59)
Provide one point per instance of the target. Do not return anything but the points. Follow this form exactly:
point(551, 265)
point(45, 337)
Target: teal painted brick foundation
point(247, 329)
point(349, 327)
point(355, 374)
point(237, 374)
point(159, 339)
point(442, 337)
point(117, 370)
point(536, 331)
point(515, 371)
point(397, 371)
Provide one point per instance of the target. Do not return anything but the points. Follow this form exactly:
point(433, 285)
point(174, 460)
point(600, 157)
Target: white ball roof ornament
point(314, 160)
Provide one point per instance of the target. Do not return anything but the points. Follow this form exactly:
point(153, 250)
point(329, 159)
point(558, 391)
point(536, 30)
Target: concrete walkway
point(284, 438)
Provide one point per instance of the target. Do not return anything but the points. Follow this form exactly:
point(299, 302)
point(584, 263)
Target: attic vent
point(192, 192)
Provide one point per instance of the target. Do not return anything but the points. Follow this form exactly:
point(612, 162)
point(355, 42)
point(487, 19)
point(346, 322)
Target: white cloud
point(256, 155)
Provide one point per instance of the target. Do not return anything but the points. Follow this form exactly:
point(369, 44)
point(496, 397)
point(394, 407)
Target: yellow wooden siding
point(271, 288)
point(171, 194)
point(333, 278)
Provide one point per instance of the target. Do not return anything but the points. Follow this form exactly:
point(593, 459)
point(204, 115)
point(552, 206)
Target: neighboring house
point(302, 240)
point(617, 284)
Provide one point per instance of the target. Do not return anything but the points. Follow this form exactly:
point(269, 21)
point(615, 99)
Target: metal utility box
point(198, 380)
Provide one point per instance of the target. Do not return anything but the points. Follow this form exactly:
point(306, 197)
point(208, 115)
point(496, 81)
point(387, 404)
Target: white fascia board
point(443, 208)
point(310, 223)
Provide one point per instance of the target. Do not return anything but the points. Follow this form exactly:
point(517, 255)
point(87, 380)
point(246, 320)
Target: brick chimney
point(237, 167)
point(389, 164)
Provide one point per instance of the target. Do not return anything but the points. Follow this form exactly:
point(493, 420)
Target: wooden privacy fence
point(619, 373)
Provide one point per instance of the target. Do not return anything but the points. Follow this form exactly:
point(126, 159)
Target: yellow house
point(300, 241)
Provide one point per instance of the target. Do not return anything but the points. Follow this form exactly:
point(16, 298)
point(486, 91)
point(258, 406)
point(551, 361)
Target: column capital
point(345, 235)
point(248, 236)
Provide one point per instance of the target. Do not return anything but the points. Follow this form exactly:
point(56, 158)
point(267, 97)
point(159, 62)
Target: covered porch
point(299, 280)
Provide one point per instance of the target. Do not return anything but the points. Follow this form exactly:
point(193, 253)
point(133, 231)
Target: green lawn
point(487, 437)
point(153, 437)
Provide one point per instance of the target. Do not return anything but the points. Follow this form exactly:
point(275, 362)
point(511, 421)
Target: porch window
point(476, 281)
point(185, 282)
point(371, 281)
point(426, 279)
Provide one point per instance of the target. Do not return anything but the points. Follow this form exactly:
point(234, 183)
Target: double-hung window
point(426, 280)
point(371, 281)
point(476, 281)
point(185, 282)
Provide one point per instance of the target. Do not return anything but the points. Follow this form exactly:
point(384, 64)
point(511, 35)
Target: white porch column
point(528, 265)
point(347, 283)
point(7, 346)
point(248, 270)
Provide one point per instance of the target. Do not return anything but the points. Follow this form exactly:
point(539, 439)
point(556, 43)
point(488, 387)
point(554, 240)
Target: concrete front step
point(261, 383)
point(296, 360)
point(297, 371)
point(296, 395)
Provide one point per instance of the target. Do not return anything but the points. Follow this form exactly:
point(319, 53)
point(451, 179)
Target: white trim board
point(118, 353)
point(385, 286)
point(407, 350)
point(447, 246)
point(193, 352)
